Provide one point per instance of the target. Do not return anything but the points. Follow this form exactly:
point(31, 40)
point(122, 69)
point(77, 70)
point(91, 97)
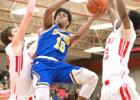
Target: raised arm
point(19, 36)
point(112, 11)
point(47, 21)
point(82, 31)
point(123, 14)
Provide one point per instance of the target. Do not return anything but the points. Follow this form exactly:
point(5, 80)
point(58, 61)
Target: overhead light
point(101, 26)
point(22, 11)
point(78, 1)
point(95, 49)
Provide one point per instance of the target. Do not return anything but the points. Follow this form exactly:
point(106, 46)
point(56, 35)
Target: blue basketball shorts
point(49, 71)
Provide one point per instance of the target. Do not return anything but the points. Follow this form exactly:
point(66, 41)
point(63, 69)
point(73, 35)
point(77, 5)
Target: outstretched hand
point(31, 6)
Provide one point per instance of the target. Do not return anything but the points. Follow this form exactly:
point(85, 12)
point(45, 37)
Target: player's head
point(7, 35)
point(63, 18)
point(135, 18)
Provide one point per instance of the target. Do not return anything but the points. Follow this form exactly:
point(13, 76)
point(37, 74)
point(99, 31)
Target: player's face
point(62, 20)
point(13, 32)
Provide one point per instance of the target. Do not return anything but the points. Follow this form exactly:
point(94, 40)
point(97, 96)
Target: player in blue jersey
point(49, 66)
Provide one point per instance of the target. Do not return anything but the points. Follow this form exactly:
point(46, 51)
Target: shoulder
point(8, 48)
point(51, 27)
point(54, 26)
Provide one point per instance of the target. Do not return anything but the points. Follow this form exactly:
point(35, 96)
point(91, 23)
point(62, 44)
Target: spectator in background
point(54, 96)
point(66, 95)
point(1, 72)
point(51, 98)
point(71, 96)
point(61, 92)
point(1, 86)
point(76, 93)
point(5, 82)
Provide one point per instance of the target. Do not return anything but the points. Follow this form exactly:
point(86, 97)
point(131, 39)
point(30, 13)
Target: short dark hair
point(65, 11)
point(135, 18)
point(5, 34)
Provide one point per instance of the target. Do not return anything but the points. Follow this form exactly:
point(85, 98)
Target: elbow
point(123, 16)
point(48, 11)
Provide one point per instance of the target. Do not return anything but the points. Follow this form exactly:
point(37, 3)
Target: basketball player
point(117, 84)
point(19, 59)
point(49, 66)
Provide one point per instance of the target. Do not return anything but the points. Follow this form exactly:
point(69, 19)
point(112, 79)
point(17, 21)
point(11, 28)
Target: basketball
point(93, 6)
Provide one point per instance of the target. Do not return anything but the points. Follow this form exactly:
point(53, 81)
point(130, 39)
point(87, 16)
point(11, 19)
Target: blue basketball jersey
point(54, 43)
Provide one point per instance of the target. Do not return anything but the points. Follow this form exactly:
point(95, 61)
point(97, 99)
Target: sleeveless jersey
point(20, 72)
point(54, 43)
point(117, 52)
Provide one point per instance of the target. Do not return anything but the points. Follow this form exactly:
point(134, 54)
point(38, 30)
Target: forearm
point(24, 23)
point(85, 26)
point(47, 21)
point(112, 11)
point(82, 31)
point(123, 13)
point(111, 4)
point(121, 8)
point(55, 5)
